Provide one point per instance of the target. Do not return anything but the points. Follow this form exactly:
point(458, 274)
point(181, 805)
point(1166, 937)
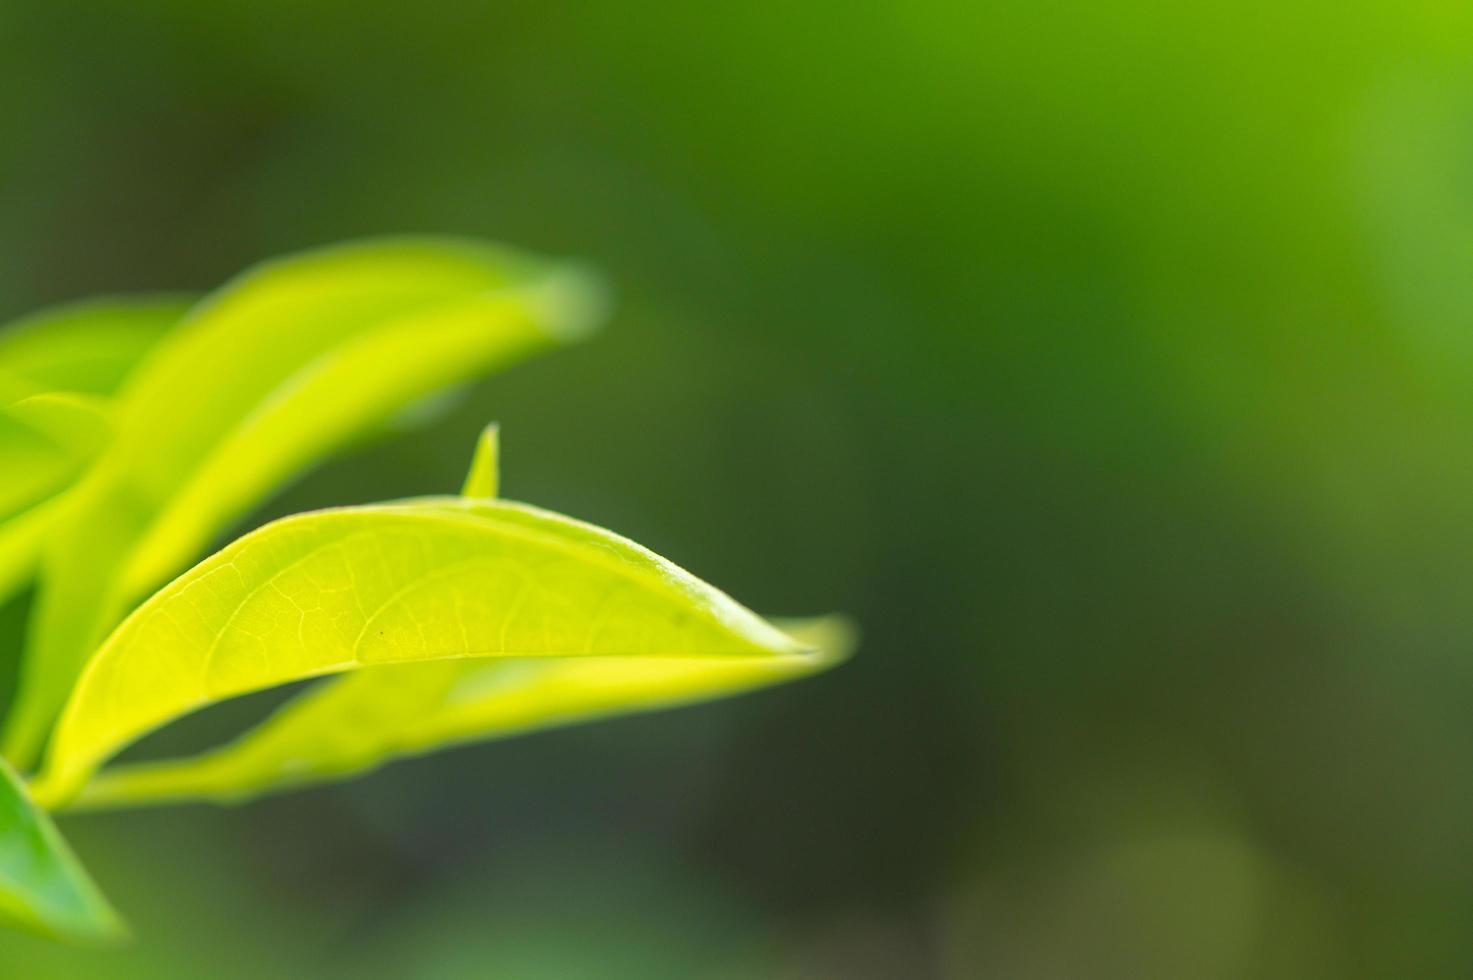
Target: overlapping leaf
point(432, 622)
point(87, 348)
point(58, 369)
point(263, 379)
point(46, 441)
point(427, 580)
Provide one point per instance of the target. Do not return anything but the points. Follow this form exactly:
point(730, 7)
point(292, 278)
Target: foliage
point(134, 433)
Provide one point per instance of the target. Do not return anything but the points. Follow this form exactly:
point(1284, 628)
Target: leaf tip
point(826, 641)
point(484, 479)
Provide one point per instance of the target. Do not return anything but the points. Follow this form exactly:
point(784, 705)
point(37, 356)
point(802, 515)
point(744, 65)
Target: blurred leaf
point(89, 347)
point(483, 481)
point(54, 367)
point(497, 308)
point(431, 579)
point(45, 441)
point(34, 464)
point(265, 378)
point(78, 425)
point(42, 886)
point(352, 724)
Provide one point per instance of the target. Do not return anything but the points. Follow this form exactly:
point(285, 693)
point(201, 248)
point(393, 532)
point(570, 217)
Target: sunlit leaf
point(354, 722)
point(483, 481)
point(350, 724)
point(262, 380)
point(432, 579)
point(45, 440)
point(78, 425)
point(42, 887)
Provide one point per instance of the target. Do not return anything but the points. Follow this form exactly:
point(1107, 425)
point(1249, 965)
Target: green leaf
point(264, 379)
point(354, 723)
point(43, 888)
point(425, 580)
point(77, 425)
point(21, 538)
point(89, 347)
point(493, 308)
point(33, 463)
point(45, 442)
point(54, 366)
point(484, 479)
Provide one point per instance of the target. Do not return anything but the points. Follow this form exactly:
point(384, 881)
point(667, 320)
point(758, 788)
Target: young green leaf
point(55, 366)
point(45, 442)
point(78, 425)
point(89, 347)
point(262, 380)
point(353, 723)
point(34, 464)
point(21, 539)
point(509, 309)
point(425, 580)
point(357, 721)
point(42, 887)
point(484, 479)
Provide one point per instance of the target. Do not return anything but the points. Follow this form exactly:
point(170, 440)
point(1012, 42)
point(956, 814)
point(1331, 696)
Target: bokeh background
point(1111, 363)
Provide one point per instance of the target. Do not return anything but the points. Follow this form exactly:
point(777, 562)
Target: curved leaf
point(263, 379)
point(33, 463)
point(499, 308)
point(21, 538)
point(45, 442)
point(483, 481)
point(54, 366)
point(89, 347)
point(432, 579)
point(78, 425)
point(354, 723)
point(42, 887)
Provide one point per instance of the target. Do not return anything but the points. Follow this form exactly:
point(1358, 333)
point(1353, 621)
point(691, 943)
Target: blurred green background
point(1111, 363)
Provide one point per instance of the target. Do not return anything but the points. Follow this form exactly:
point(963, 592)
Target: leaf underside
point(349, 725)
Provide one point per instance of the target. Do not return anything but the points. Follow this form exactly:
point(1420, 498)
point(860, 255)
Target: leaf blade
point(432, 579)
point(88, 347)
point(43, 889)
point(46, 441)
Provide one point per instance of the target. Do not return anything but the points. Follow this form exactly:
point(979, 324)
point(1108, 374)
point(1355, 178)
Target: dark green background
point(1111, 363)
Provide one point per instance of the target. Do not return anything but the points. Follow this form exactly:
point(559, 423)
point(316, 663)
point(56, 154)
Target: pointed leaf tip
point(484, 479)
